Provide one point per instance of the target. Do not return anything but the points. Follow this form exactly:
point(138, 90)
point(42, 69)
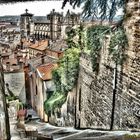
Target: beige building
point(41, 84)
point(44, 87)
point(38, 48)
point(53, 28)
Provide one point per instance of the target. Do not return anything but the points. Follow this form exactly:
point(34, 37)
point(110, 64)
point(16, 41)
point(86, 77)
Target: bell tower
point(55, 19)
point(26, 24)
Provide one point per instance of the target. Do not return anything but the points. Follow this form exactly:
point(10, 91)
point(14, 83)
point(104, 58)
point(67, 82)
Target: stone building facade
point(95, 91)
point(51, 28)
point(26, 24)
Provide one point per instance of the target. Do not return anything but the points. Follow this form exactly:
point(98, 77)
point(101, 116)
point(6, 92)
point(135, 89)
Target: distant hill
point(17, 18)
point(9, 18)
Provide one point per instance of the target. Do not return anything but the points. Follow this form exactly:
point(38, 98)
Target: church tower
point(26, 24)
point(56, 20)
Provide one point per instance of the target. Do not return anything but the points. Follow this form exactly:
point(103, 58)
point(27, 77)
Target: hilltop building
point(53, 28)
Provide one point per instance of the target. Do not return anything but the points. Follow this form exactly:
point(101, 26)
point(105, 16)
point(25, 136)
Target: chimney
point(7, 66)
point(18, 59)
point(21, 65)
point(42, 59)
point(15, 54)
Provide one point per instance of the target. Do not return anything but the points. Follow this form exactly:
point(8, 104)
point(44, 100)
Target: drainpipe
point(114, 96)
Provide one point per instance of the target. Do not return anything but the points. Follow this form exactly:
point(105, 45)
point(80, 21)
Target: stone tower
point(26, 24)
point(71, 19)
point(55, 19)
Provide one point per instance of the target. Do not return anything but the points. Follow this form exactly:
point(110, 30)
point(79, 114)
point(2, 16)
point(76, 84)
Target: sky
point(38, 8)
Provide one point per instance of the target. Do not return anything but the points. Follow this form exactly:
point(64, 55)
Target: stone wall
point(95, 90)
point(65, 116)
point(94, 95)
point(4, 117)
point(16, 82)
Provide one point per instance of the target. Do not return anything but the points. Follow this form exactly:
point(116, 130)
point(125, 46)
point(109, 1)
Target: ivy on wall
point(95, 35)
point(117, 46)
point(65, 76)
point(55, 101)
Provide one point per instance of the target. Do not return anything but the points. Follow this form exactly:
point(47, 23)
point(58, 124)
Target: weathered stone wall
point(128, 100)
point(95, 103)
point(95, 90)
point(65, 116)
point(4, 117)
point(16, 82)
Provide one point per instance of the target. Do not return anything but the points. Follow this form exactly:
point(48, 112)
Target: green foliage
point(55, 101)
point(95, 35)
point(20, 106)
point(11, 98)
point(118, 44)
point(117, 47)
point(135, 136)
point(71, 33)
point(81, 35)
point(56, 73)
point(75, 37)
point(66, 74)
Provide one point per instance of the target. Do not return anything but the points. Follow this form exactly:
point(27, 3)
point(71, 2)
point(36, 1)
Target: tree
point(99, 9)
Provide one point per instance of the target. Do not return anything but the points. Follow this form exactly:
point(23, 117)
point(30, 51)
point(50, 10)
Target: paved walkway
point(66, 133)
point(15, 135)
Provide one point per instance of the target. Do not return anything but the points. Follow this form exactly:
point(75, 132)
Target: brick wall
point(95, 91)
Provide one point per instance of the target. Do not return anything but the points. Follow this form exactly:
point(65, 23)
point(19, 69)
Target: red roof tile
point(41, 45)
point(46, 71)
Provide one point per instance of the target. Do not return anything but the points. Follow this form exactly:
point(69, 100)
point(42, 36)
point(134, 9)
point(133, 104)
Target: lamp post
point(114, 97)
point(4, 104)
point(114, 90)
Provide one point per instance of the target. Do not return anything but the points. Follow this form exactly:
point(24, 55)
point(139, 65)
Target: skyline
point(38, 8)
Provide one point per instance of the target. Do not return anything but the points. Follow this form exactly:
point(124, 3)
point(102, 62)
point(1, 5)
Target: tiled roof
point(6, 54)
point(45, 71)
point(40, 45)
point(11, 61)
point(35, 62)
point(26, 43)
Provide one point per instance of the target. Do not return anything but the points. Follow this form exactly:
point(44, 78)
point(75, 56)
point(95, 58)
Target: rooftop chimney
point(42, 59)
point(7, 66)
point(15, 54)
point(21, 65)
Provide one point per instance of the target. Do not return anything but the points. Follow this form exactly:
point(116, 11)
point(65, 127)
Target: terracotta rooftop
point(6, 54)
point(25, 42)
point(11, 61)
point(45, 71)
point(40, 45)
point(37, 61)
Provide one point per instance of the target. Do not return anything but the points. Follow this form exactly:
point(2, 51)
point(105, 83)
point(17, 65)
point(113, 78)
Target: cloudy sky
point(40, 8)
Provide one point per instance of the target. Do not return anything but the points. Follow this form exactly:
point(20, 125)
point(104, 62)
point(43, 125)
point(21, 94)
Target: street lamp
point(114, 90)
